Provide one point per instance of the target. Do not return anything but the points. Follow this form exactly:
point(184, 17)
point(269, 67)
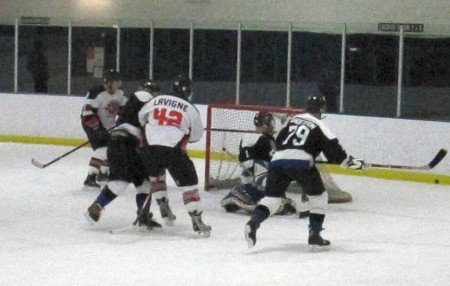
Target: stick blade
point(37, 163)
point(438, 158)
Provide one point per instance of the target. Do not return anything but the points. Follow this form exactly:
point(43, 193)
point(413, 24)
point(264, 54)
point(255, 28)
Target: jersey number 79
point(297, 134)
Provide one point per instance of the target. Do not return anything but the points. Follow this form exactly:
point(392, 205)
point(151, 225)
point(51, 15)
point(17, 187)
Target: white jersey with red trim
point(170, 121)
point(105, 105)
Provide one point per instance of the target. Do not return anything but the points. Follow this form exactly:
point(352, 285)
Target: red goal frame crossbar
point(208, 129)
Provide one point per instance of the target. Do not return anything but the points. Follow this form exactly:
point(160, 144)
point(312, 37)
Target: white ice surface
point(393, 233)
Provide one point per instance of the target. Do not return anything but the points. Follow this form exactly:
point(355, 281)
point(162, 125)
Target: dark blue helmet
point(111, 75)
point(316, 104)
point(151, 87)
point(182, 86)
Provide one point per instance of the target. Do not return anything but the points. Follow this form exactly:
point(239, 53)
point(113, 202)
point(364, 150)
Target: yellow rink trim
point(387, 174)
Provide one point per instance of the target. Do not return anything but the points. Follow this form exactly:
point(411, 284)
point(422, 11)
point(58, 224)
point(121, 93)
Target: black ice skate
point(316, 241)
point(91, 183)
point(250, 232)
point(102, 178)
point(146, 219)
point(166, 212)
point(198, 225)
point(94, 212)
point(304, 214)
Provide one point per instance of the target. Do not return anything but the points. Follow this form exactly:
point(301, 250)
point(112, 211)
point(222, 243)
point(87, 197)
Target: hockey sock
point(316, 222)
point(105, 197)
point(260, 214)
point(140, 200)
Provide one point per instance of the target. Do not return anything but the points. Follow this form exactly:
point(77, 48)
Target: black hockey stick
point(135, 223)
point(436, 160)
point(42, 165)
point(236, 159)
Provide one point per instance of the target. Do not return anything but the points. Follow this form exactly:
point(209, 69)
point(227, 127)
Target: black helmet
point(316, 103)
point(150, 86)
point(111, 75)
point(266, 121)
point(182, 86)
point(263, 118)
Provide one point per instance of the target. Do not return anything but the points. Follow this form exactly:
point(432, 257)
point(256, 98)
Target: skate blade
point(204, 234)
point(250, 242)
point(320, 248)
point(89, 188)
point(168, 221)
point(135, 229)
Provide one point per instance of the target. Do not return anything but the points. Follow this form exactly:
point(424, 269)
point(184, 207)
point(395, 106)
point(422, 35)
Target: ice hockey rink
point(393, 233)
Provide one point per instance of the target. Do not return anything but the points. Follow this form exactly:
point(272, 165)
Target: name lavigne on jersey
point(170, 102)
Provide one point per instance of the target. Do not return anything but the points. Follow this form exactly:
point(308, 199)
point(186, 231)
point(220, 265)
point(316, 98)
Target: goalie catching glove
point(353, 163)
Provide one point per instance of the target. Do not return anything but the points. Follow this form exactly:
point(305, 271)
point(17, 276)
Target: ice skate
point(90, 183)
point(94, 212)
point(250, 232)
point(317, 243)
point(198, 225)
point(166, 212)
point(146, 219)
point(304, 214)
point(102, 178)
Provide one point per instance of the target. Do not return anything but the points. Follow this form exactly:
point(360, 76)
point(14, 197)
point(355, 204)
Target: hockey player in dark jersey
point(255, 153)
point(299, 142)
point(125, 163)
point(103, 103)
point(172, 121)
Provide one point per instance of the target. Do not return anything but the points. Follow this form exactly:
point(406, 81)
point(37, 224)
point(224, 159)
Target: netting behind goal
point(226, 124)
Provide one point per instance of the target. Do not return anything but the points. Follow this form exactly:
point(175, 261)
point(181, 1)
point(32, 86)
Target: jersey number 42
point(165, 117)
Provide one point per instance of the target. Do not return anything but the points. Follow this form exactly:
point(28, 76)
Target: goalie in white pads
point(299, 142)
point(172, 121)
point(255, 152)
point(125, 162)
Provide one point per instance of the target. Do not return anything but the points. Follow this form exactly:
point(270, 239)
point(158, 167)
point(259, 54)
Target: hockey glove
point(353, 163)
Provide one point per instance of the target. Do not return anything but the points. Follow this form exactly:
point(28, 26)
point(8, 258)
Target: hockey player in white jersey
point(171, 122)
point(125, 163)
point(299, 142)
point(103, 103)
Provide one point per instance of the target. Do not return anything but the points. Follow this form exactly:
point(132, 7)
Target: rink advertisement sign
point(395, 27)
point(34, 20)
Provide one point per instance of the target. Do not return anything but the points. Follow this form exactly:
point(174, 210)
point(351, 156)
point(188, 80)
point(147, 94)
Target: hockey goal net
point(226, 124)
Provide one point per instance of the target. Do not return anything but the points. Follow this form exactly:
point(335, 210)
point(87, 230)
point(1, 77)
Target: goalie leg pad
point(237, 199)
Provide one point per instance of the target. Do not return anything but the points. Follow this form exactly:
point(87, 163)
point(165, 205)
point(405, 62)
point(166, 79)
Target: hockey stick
point(436, 160)
point(146, 204)
point(42, 165)
point(232, 156)
point(135, 222)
